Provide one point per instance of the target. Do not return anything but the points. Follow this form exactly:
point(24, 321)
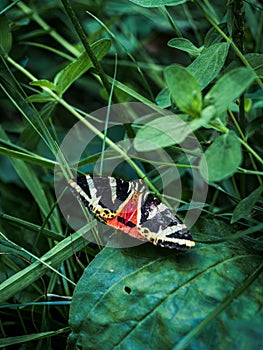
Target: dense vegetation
point(194, 68)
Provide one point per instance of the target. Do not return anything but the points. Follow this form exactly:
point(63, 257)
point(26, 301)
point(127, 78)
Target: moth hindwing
point(129, 207)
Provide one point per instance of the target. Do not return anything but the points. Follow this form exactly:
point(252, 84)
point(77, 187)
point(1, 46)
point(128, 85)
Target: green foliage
point(156, 3)
point(208, 64)
point(246, 205)
point(5, 36)
point(222, 158)
point(185, 45)
point(229, 87)
point(155, 134)
point(79, 66)
point(179, 55)
point(171, 295)
point(185, 90)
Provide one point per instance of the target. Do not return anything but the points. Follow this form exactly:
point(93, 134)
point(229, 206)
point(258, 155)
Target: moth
point(128, 206)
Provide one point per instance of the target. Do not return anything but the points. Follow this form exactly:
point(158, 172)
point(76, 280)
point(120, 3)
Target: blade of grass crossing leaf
point(238, 291)
point(99, 320)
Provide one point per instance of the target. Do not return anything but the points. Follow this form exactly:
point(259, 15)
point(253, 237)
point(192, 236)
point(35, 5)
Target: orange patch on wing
point(126, 217)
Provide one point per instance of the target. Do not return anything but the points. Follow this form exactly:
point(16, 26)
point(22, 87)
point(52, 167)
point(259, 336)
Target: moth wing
point(161, 227)
point(104, 196)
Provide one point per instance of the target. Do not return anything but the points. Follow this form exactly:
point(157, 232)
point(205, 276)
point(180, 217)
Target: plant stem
point(34, 15)
point(238, 34)
point(164, 11)
point(246, 145)
point(229, 40)
point(73, 111)
point(244, 140)
point(83, 38)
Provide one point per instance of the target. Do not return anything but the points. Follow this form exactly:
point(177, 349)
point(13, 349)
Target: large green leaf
point(161, 132)
point(184, 89)
point(79, 66)
point(229, 87)
point(208, 64)
point(150, 298)
point(155, 3)
point(221, 158)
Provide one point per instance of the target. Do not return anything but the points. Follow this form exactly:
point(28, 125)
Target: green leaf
point(79, 66)
point(5, 36)
point(185, 45)
point(222, 158)
point(229, 87)
point(168, 130)
point(256, 62)
point(34, 159)
point(212, 36)
point(128, 298)
point(184, 89)
point(161, 132)
point(163, 98)
point(208, 64)
point(39, 98)
point(44, 83)
point(156, 3)
point(245, 206)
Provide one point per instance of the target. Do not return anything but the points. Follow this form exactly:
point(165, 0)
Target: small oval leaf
point(185, 45)
point(39, 98)
point(208, 64)
point(184, 89)
point(163, 98)
point(44, 83)
point(229, 87)
point(222, 158)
